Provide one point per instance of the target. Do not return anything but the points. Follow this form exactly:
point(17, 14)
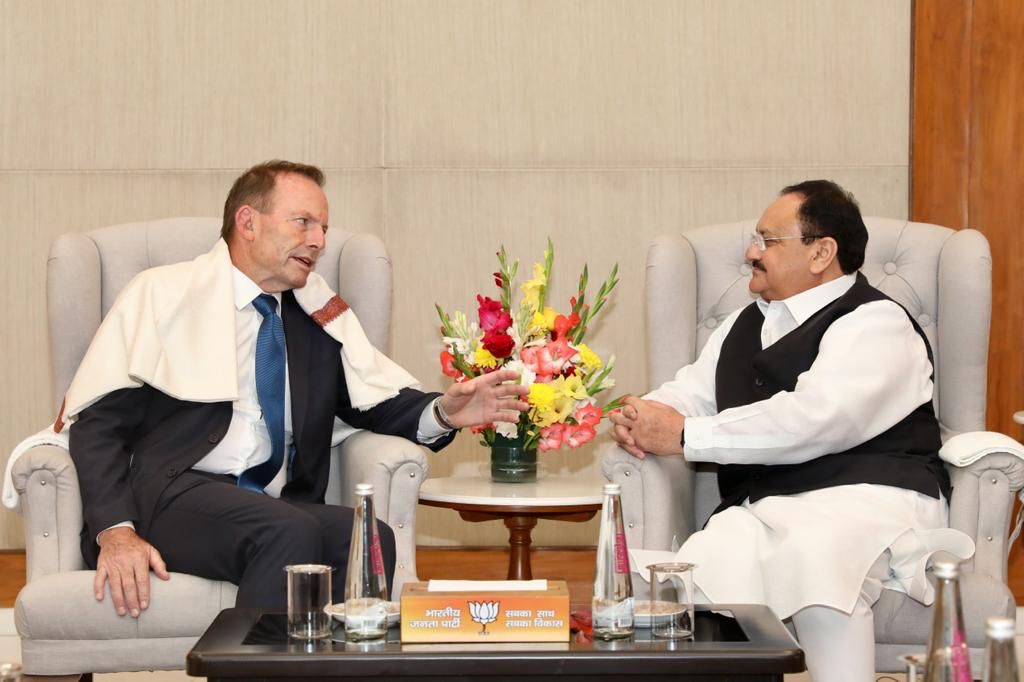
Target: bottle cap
point(998, 627)
point(364, 488)
point(946, 569)
point(612, 489)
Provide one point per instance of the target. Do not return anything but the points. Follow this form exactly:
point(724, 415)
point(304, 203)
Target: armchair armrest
point(657, 497)
point(981, 506)
point(397, 469)
point(47, 483)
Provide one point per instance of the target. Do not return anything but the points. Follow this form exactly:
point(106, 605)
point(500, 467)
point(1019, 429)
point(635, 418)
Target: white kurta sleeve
point(872, 370)
point(692, 391)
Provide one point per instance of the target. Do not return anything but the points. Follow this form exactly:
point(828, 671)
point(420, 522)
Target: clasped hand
point(643, 426)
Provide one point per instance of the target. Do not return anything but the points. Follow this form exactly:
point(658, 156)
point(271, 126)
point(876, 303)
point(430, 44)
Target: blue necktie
point(269, 390)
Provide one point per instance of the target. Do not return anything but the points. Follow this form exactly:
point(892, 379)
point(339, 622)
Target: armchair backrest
point(86, 272)
point(943, 277)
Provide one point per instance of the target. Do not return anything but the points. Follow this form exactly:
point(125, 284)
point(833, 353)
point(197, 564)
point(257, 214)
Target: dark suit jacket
point(131, 446)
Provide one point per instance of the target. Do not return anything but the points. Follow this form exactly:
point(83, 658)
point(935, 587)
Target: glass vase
point(511, 462)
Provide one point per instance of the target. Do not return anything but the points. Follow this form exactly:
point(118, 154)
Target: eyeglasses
point(761, 242)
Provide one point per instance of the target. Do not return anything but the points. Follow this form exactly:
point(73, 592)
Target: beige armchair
point(943, 277)
point(63, 629)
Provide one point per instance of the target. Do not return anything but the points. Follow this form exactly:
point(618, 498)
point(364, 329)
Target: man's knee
point(296, 538)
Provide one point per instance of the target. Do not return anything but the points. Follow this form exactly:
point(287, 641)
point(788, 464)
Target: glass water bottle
point(1000, 653)
point(949, 659)
point(366, 590)
point(612, 607)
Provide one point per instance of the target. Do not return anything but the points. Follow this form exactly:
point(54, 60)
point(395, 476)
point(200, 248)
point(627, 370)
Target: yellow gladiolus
point(545, 320)
point(531, 288)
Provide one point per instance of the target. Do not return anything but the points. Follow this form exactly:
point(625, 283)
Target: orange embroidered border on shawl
point(58, 425)
point(331, 310)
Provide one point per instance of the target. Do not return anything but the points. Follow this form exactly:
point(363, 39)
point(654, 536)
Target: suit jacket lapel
point(298, 342)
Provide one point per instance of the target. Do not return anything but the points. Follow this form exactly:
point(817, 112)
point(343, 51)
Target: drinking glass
point(671, 600)
point(309, 592)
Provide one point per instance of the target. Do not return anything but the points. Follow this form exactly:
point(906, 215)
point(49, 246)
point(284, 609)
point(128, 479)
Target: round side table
point(519, 505)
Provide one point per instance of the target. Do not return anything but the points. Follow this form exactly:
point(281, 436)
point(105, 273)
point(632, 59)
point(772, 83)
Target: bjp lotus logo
point(484, 612)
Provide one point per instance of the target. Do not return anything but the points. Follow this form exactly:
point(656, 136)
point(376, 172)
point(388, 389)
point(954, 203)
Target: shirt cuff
point(429, 429)
point(698, 439)
point(123, 524)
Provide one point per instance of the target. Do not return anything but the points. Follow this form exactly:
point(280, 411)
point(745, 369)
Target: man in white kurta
point(821, 540)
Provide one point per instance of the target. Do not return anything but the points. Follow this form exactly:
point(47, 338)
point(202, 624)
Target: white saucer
point(393, 608)
point(642, 611)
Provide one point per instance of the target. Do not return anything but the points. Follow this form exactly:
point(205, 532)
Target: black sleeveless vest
point(905, 456)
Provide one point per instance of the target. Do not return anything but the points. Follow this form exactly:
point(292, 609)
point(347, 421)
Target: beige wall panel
point(443, 228)
point(173, 84)
point(540, 83)
point(42, 206)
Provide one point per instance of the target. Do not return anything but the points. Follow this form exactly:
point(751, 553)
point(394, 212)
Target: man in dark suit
point(194, 487)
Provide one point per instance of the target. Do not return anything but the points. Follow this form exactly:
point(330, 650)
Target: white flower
point(507, 430)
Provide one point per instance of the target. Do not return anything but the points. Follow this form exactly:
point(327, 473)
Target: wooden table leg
point(519, 528)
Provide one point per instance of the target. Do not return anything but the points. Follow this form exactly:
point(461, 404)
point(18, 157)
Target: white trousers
point(839, 647)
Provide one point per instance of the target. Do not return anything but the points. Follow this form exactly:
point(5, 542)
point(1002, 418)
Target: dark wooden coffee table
point(736, 642)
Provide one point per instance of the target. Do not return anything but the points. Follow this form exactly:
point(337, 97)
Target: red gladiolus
point(493, 318)
point(564, 324)
point(448, 365)
point(498, 343)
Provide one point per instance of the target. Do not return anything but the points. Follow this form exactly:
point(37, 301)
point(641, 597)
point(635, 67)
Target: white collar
point(245, 290)
point(801, 306)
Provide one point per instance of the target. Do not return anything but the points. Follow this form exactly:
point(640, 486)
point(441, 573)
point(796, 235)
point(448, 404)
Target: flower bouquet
point(546, 347)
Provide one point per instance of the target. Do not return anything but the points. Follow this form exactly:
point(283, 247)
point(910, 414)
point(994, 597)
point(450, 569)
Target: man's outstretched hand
point(124, 562)
point(485, 399)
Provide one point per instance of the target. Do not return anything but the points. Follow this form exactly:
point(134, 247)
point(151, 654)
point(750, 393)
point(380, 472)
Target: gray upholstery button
point(42, 482)
point(628, 473)
point(745, 269)
point(46, 535)
point(412, 474)
point(711, 323)
point(889, 268)
point(924, 319)
point(631, 524)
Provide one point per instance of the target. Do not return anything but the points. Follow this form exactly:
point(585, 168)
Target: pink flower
point(551, 437)
point(589, 415)
point(539, 361)
point(560, 351)
point(580, 435)
point(493, 318)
